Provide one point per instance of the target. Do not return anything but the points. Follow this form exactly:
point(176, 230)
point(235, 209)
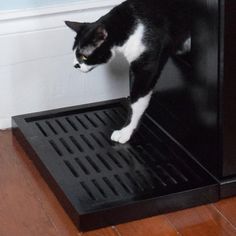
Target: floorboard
point(227, 208)
point(154, 226)
point(203, 220)
point(29, 208)
point(21, 212)
point(108, 231)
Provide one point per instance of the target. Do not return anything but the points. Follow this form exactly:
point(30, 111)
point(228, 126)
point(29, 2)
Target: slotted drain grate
point(100, 182)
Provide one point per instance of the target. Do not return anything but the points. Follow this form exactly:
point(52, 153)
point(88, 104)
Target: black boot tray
point(102, 183)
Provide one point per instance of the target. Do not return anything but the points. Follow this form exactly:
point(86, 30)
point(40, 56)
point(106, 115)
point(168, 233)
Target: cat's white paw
point(122, 136)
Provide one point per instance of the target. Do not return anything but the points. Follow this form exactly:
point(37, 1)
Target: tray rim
point(23, 136)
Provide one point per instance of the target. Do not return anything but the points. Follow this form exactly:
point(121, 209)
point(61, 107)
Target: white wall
point(23, 4)
point(36, 71)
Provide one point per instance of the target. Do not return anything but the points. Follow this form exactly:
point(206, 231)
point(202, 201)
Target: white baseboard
point(5, 123)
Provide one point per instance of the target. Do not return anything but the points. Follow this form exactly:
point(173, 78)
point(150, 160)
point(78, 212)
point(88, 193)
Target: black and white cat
point(147, 32)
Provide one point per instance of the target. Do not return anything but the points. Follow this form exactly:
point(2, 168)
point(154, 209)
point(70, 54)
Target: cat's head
point(90, 46)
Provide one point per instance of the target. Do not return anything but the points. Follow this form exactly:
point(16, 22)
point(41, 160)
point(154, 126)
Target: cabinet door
point(189, 98)
point(228, 86)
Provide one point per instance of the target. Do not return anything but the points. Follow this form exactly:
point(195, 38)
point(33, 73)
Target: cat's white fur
point(83, 67)
point(134, 47)
point(131, 49)
point(138, 108)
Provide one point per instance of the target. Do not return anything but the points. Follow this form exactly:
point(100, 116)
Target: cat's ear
point(100, 35)
point(75, 26)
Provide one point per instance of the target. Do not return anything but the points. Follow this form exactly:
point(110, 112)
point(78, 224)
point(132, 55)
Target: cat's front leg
point(144, 73)
point(137, 110)
point(141, 92)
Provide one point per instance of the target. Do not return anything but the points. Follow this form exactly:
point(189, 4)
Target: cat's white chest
point(134, 47)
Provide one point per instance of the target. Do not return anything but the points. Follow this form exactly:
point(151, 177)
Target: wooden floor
point(29, 208)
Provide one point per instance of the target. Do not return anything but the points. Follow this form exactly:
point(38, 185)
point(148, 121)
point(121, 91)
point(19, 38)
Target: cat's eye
point(83, 58)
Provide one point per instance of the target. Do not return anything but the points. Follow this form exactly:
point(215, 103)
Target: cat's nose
point(77, 66)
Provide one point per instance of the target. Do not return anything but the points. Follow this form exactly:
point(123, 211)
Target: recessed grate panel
point(98, 177)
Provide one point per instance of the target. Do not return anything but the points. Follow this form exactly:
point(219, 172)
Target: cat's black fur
point(166, 27)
